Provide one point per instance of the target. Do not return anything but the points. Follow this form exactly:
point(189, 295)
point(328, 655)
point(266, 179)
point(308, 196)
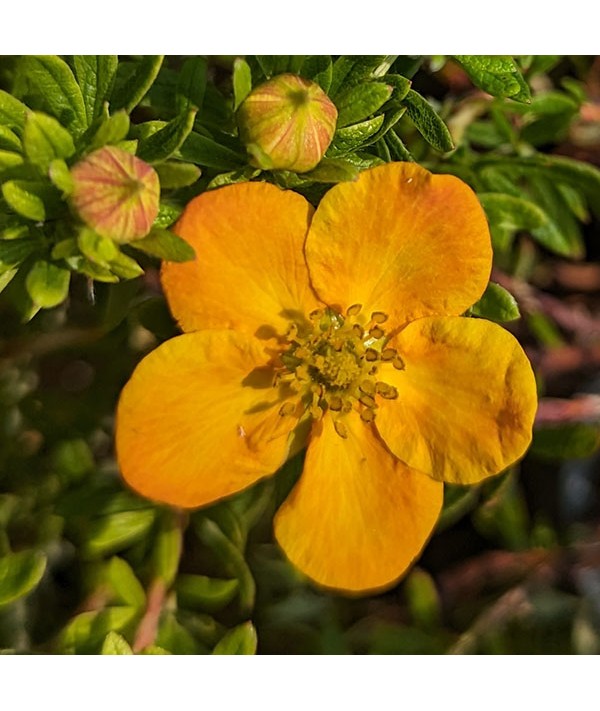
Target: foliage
point(88, 567)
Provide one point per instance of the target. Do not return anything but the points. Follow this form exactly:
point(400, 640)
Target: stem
point(148, 627)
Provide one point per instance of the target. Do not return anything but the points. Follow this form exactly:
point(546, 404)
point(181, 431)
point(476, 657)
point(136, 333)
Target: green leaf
point(333, 170)
point(566, 441)
point(10, 160)
point(167, 214)
point(162, 144)
point(47, 83)
point(175, 174)
point(496, 304)
point(239, 640)
point(167, 547)
point(499, 76)
point(125, 584)
point(12, 111)
point(511, 212)
point(88, 630)
point(165, 245)
point(19, 196)
point(114, 643)
point(130, 91)
point(125, 267)
point(19, 574)
point(400, 84)
point(210, 154)
point(47, 284)
point(15, 251)
point(95, 75)
point(61, 177)
point(359, 102)
point(98, 249)
point(233, 559)
point(9, 141)
point(348, 71)
point(234, 176)
point(111, 131)
point(44, 139)
point(423, 599)
point(503, 517)
point(347, 140)
point(154, 649)
point(117, 531)
point(6, 277)
point(207, 594)
point(562, 234)
point(428, 123)
point(318, 68)
point(242, 81)
point(192, 83)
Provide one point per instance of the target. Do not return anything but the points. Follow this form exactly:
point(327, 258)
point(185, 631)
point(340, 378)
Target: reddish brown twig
point(148, 627)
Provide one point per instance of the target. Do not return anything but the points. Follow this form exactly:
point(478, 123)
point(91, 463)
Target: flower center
point(333, 365)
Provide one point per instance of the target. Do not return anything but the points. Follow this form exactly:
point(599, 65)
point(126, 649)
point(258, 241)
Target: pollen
point(332, 363)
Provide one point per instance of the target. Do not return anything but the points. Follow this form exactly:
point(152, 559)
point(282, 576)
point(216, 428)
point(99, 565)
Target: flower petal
point(249, 273)
point(199, 420)
point(402, 241)
point(466, 399)
point(358, 517)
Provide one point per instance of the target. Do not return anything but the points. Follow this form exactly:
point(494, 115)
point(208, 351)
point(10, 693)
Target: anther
point(367, 387)
point(376, 332)
point(335, 403)
point(358, 330)
point(314, 314)
point(379, 317)
point(367, 400)
point(371, 355)
point(389, 392)
point(341, 429)
point(353, 310)
point(288, 408)
point(388, 354)
point(398, 363)
point(367, 415)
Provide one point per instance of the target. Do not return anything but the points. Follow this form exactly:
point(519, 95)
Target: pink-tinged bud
point(116, 194)
point(287, 124)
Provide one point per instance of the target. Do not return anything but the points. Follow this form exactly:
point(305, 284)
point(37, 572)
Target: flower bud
point(116, 194)
point(287, 124)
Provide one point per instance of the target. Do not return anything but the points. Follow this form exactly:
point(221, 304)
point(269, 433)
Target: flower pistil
point(333, 364)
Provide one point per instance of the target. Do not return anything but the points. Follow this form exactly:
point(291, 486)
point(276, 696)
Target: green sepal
point(165, 245)
point(19, 574)
point(498, 75)
point(44, 139)
point(427, 122)
point(47, 284)
point(496, 304)
point(360, 102)
point(240, 640)
point(175, 174)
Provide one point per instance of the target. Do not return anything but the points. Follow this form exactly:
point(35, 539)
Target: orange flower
point(342, 326)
